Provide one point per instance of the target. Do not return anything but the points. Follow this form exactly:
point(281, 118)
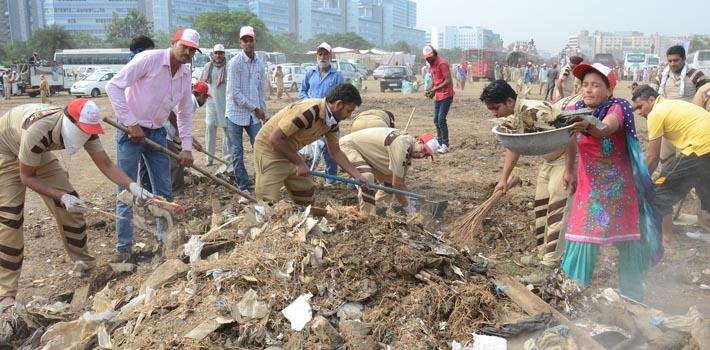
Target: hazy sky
point(546, 22)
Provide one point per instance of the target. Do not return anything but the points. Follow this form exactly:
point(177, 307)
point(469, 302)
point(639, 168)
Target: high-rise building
point(19, 19)
point(465, 37)
point(168, 15)
point(87, 16)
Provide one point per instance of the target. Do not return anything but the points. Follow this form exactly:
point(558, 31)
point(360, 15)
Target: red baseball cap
point(431, 144)
point(86, 115)
point(188, 37)
point(201, 87)
point(582, 69)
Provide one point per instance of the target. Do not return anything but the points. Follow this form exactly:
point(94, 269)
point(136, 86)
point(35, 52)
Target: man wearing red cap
point(442, 91)
point(142, 94)
point(384, 154)
point(27, 135)
point(246, 103)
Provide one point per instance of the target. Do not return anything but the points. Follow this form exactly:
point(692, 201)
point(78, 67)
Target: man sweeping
point(552, 190)
point(28, 134)
point(385, 154)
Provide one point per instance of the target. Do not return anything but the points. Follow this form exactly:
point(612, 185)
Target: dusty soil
point(465, 177)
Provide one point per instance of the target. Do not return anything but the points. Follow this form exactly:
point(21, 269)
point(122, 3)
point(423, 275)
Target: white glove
point(139, 193)
point(73, 204)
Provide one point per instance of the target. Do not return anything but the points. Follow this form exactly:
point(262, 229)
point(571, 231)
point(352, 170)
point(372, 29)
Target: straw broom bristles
point(472, 222)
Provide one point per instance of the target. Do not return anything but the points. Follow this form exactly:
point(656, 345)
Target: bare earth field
point(465, 177)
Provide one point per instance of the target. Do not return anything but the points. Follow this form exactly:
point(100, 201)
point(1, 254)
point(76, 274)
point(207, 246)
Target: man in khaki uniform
point(567, 84)
point(372, 118)
point(27, 135)
point(276, 159)
point(44, 89)
point(552, 190)
point(702, 97)
point(384, 154)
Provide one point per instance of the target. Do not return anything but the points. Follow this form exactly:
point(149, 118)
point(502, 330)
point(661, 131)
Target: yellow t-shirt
point(685, 125)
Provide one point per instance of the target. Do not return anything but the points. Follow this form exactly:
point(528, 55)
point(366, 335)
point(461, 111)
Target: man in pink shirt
point(442, 90)
point(142, 94)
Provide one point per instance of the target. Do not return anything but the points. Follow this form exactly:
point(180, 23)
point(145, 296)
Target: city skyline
point(514, 20)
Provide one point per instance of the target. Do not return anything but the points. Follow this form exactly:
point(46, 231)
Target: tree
point(14, 52)
point(699, 42)
point(402, 46)
point(350, 40)
point(85, 41)
point(120, 31)
point(50, 39)
point(222, 27)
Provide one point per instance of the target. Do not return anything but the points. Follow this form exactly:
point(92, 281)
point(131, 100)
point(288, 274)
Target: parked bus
point(700, 60)
point(652, 61)
point(633, 61)
point(483, 62)
point(74, 59)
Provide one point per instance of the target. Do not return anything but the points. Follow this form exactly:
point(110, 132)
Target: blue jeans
point(441, 109)
point(128, 154)
point(331, 167)
point(236, 148)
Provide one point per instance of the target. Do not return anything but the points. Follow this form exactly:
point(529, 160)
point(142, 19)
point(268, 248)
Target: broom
point(472, 222)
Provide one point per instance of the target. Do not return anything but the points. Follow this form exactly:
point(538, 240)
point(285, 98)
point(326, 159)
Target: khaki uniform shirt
point(386, 150)
point(370, 119)
point(29, 131)
point(302, 122)
point(702, 97)
point(672, 90)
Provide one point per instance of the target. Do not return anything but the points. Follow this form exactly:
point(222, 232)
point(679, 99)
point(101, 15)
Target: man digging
point(276, 159)
point(27, 135)
point(384, 154)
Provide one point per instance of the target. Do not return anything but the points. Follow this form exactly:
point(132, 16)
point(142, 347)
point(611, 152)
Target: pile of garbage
point(281, 277)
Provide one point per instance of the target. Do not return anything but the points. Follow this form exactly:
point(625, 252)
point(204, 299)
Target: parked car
point(308, 66)
point(93, 85)
point(347, 69)
point(361, 69)
point(379, 72)
point(293, 76)
point(394, 76)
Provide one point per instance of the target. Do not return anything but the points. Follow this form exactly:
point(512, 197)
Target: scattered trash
point(699, 236)
point(203, 329)
point(299, 312)
point(103, 337)
point(532, 324)
point(193, 248)
point(250, 308)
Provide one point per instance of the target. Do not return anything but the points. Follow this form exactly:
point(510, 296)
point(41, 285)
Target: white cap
point(218, 48)
point(324, 45)
point(247, 31)
point(428, 51)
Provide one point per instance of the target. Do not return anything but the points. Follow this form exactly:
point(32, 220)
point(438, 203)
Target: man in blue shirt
point(246, 103)
point(316, 85)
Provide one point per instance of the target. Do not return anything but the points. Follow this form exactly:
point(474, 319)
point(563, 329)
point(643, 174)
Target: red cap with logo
point(188, 37)
point(431, 144)
point(581, 70)
point(201, 88)
point(86, 115)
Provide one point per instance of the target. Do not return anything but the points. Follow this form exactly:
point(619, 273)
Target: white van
point(699, 60)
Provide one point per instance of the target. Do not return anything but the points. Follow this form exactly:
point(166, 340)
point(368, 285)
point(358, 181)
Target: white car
point(93, 85)
point(293, 76)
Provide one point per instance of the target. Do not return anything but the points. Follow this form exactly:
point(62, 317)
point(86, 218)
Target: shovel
point(434, 208)
point(177, 156)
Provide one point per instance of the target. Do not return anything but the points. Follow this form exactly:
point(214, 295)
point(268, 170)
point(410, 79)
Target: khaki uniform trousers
point(367, 199)
point(72, 227)
point(272, 173)
point(552, 202)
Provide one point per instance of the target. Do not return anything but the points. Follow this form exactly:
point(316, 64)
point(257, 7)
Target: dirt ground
point(465, 177)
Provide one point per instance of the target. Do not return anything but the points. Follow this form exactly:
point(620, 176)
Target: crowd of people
point(595, 191)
